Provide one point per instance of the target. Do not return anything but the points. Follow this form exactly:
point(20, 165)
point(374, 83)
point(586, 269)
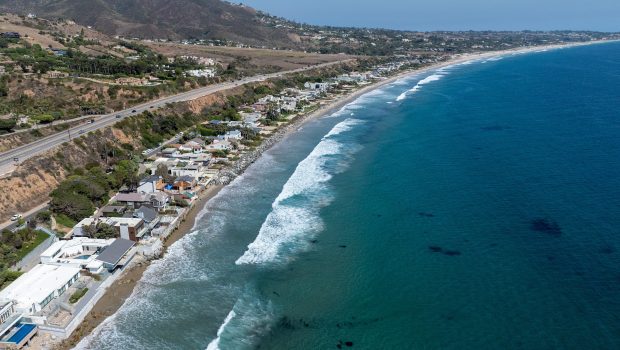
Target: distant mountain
point(166, 19)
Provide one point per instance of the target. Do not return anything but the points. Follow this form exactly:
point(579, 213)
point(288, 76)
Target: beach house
point(151, 184)
point(32, 291)
point(80, 252)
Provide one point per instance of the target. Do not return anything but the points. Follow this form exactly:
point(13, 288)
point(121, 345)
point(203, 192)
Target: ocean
point(473, 207)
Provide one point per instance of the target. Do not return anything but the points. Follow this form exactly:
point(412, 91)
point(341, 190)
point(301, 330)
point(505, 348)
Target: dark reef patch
point(435, 249)
point(494, 128)
point(547, 226)
point(438, 249)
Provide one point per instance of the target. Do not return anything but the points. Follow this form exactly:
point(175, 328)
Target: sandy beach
point(122, 289)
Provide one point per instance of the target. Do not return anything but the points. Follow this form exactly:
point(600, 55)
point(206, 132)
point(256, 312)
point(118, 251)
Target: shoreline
point(122, 289)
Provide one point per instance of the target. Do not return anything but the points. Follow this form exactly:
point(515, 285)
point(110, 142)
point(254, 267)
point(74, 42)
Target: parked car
point(16, 217)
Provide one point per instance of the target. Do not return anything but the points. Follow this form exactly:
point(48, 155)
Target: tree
point(162, 170)
point(7, 125)
point(73, 205)
point(125, 173)
point(100, 230)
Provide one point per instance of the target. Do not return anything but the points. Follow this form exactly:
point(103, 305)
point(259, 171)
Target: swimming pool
point(22, 332)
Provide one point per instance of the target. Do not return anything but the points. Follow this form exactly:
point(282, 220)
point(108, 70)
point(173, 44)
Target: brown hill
point(166, 19)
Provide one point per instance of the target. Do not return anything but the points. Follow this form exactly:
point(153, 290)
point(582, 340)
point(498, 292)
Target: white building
point(80, 252)
point(7, 308)
point(192, 146)
point(127, 228)
point(322, 87)
point(207, 73)
point(193, 170)
point(32, 291)
point(219, 145)
point(149, 184)
point(231, 135)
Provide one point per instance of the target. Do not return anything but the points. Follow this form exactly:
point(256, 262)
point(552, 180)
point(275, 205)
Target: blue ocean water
point(474, 207)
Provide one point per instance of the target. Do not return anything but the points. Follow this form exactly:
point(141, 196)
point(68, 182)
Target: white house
point(192, 146)
point(231, 135)
point(149, 184)
point(322, 87)
point(219, 145)
point(33, 290)
point(207, 73)
point(80, 252)
point(127, 228)
point(193, 170)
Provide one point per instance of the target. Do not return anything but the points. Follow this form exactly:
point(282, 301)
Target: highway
point(22, 153)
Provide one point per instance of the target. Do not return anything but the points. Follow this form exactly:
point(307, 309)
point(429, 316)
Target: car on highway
point(118, 116)
point(81, 132)
point(152, 107)
point(133, 111)
point(16, 217)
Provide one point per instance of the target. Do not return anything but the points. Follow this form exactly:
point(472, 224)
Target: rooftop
point(115, 251)
point(37, 284)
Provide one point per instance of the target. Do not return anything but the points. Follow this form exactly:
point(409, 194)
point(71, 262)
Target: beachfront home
point(16, 330)
point(321, 87)
point(151, 184)
point(184, 183)
point(146, 213)
point(219, 145)
point(128, 228)
point(80, 252)
point(32, 291)
point(230, 135)
point(194, 170)
point(117, 254)
point(192, 146)
point(131, 199)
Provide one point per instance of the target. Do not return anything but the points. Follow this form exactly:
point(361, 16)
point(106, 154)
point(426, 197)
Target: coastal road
point(22, 153)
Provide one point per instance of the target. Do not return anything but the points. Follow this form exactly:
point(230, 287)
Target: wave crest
point(295, 212)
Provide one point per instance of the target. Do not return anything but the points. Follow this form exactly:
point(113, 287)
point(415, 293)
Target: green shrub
point(75, 297)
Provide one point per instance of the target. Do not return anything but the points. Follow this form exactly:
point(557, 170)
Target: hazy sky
point(603, 15)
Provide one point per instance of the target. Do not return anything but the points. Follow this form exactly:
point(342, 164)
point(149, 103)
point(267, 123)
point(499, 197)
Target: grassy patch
point(77, 295)
point(65, 221)
point(28, 247)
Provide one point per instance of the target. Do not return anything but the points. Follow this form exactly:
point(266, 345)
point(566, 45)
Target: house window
point(47, 300)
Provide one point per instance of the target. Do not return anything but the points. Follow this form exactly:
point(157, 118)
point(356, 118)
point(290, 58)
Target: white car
point(16, 217)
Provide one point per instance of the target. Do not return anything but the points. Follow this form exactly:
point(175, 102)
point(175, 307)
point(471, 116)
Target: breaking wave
point(295, 212)
point(434, 77)
point(250, 319)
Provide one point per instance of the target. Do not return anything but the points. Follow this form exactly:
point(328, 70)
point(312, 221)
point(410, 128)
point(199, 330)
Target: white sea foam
point(250, 319)
point(295, 212)
point(215, 344)
point(434, 77)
